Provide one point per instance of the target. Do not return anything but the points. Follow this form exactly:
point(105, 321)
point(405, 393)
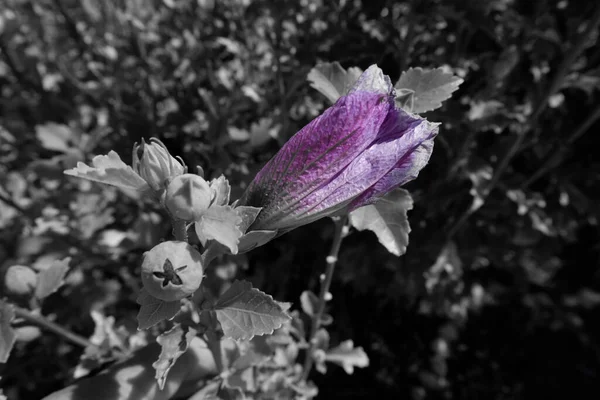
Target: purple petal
point(406, 169)
point(382, 167)
point(316, 154)
point(356, 151)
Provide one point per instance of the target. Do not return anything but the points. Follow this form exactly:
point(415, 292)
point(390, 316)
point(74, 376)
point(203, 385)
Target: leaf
point(254, 239)
point(154, 310)
point(309, 302)
point(174, 343)
point(103, 342)
point(431, 87)
point(110, 170)
point(242, 379)
point(248, 215)
point(333, 81)
point(220, 223)
point(321, 340)
point(55, 136)
point(250, 358)
point(263, 131)
point(388, 219)
point(244, 312)
point(7, 334)
point(347, 356)
point(52, 278)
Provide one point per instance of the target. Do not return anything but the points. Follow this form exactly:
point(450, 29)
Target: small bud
point(155, 165)
point(172, 270)
point(188, 196)
point(20, 280)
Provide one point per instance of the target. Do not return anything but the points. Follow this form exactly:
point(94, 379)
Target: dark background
point(500, 303)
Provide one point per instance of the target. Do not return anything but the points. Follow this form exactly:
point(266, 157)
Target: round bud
point(188, 196)
point(20, 280)
point(172, 270)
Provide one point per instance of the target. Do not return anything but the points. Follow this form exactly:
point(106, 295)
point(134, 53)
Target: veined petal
point(317, 153)
point(404, 171)
point(398, 141)
point(357, 150)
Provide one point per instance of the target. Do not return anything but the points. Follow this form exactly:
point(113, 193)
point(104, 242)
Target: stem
point(556, 83)
point(340, 224)
point(553, 161)
point(179, 229)
point(12, 204)
point(214, 344)
point(43, 322)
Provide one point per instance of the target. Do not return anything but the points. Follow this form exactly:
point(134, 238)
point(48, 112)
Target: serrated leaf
point(110, 170)
point(52, 278)
point(309, 302)
point(431, 87)
point(220, 223)
point(388, 219)
point(173, 344)
point(7, 334)
point(154, 310)
point(333, 81)
point(244, 312)
point(347, 356)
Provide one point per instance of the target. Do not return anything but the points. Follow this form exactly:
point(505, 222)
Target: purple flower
point(358, 150)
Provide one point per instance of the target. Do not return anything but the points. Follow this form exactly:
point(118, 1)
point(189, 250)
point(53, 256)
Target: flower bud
point(188, 196)
point(155, 165)
point(20, 280)
point(172, 270)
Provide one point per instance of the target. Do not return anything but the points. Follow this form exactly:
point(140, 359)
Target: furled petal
point(382, 167)
point(317, 153)
point(405, 170)
point(357, 150)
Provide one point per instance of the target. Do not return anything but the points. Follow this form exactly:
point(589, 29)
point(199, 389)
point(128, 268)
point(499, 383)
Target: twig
point(555, 84)
point(555, 160)
point(338, 236)
point(12, 204)
point(214, 345)
point(71, 27)
point(43, 322)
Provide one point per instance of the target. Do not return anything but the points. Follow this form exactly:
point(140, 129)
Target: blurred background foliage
point(498, 296)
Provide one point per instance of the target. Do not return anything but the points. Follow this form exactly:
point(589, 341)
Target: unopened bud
point(20, 280)
point(155, 165)
point(188, 197)
point(172, 270)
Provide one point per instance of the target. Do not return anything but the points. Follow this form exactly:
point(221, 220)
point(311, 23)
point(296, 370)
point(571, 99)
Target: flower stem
point(43, 322)
point(214, 344)
point(179, 229)
point(340, 225)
